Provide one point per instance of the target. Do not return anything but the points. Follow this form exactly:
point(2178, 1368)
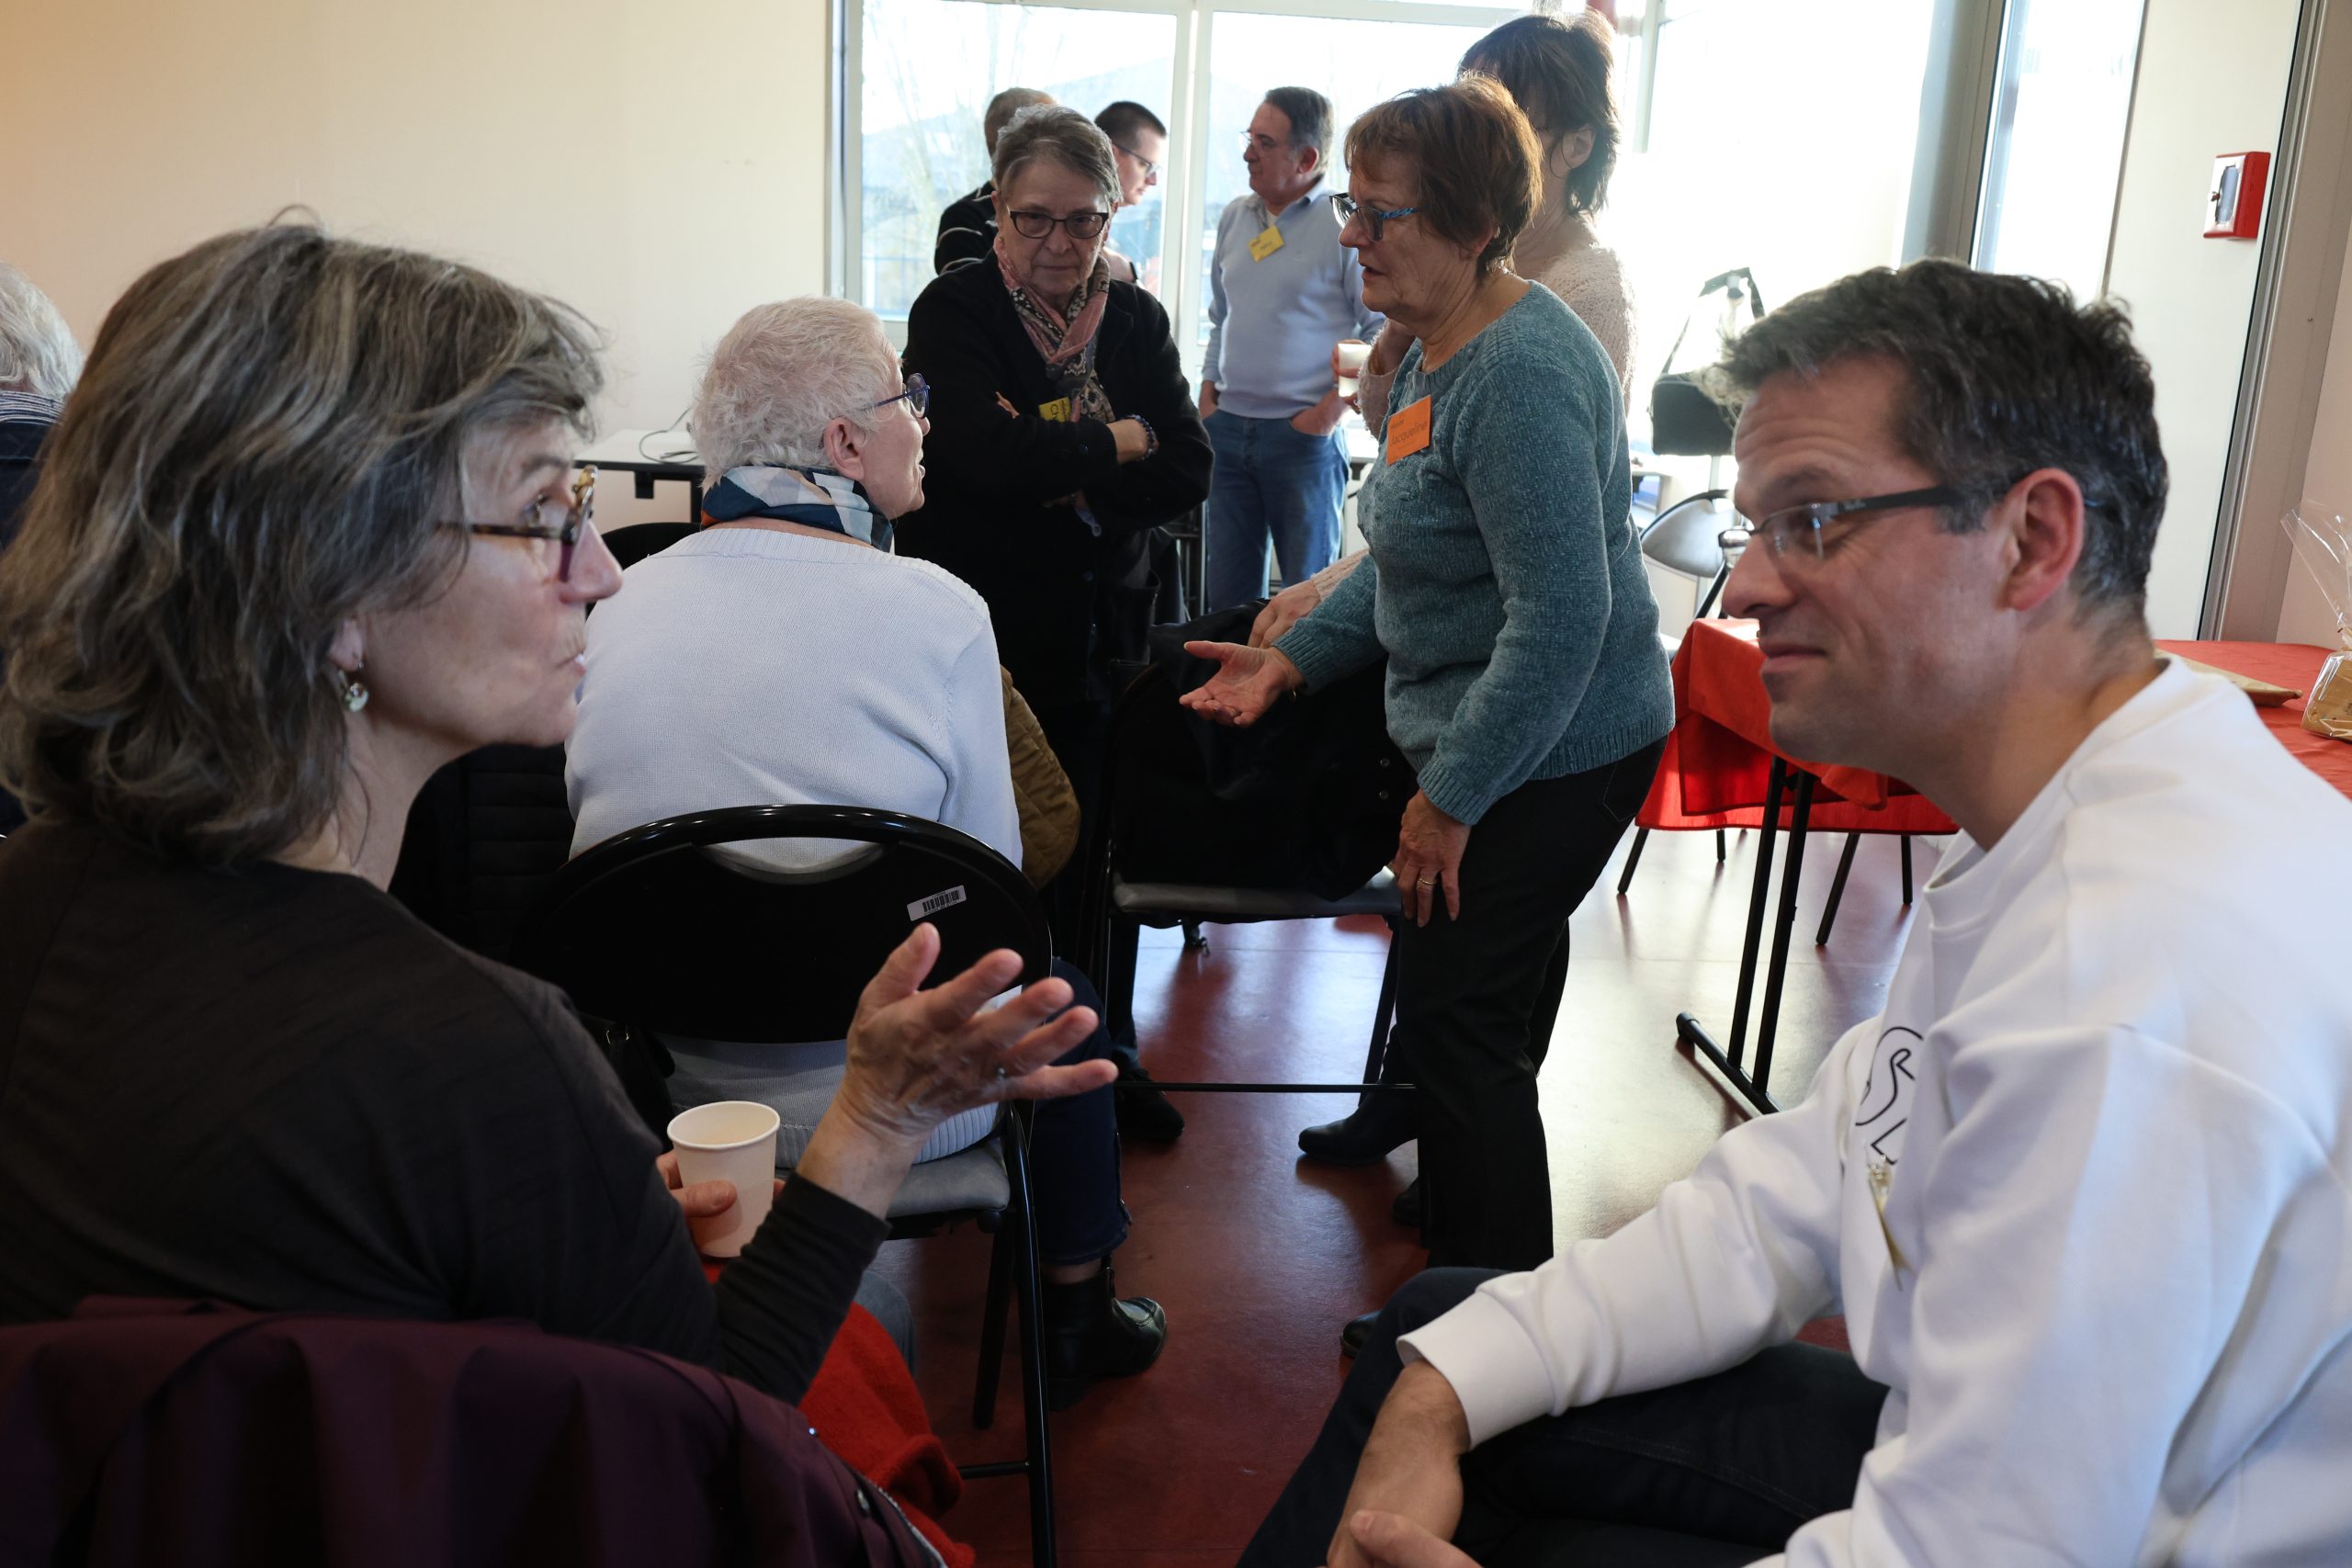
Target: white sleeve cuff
point(1484, 1351)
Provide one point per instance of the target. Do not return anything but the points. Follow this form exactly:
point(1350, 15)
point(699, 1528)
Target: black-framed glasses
point(1150, 167)
point(1033, 225)
point(579, 515)
point(917, 396)
point(1374, 219)
point(1796, 530)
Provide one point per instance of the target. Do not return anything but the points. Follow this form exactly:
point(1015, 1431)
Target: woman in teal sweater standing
point(1525, 680)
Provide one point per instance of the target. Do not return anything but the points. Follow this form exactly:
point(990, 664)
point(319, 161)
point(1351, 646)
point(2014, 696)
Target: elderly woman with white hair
point(782, 655)
point(39, 361)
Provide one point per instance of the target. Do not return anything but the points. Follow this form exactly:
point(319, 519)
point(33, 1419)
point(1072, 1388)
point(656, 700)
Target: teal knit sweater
point(1505, 583)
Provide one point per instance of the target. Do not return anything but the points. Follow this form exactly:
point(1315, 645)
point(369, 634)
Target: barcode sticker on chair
point(933, 905)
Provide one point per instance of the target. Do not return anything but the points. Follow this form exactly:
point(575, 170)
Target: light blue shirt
point(1286, 310)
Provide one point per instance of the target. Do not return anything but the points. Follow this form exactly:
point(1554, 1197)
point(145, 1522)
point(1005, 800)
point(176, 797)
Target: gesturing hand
point(1248, 681)
point(1429, 860)
point(918, 1057)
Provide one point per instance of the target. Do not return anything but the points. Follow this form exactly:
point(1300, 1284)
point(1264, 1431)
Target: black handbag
point(1685, 420)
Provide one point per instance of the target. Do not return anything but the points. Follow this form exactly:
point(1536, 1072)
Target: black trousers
point(1712, 1474)
point(1476, 1002)
point(1079, 734)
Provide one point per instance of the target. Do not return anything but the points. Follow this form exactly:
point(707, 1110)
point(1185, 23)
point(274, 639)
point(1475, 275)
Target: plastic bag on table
point(2324, 544)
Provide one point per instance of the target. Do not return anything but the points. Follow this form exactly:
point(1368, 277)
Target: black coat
point(967, 231)
point(1066, 604)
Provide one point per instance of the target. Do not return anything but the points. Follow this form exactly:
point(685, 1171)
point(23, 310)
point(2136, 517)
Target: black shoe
point(1092, 1334)
point(1355, 1332)
point(1407, 1210)
point(1144, 1111)
point(1381, 1121)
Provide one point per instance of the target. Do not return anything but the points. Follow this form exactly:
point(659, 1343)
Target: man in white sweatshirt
point(2083, 1189)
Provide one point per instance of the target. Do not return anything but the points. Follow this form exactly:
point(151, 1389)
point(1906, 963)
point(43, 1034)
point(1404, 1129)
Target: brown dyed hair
point(267, 433)
point(1558, 71)
point(1474, 155)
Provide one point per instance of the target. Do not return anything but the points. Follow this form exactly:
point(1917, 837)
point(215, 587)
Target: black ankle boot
point(1091, 1334)
point(1381, 1120)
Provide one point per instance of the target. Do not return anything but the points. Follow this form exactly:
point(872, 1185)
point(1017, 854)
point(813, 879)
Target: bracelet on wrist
point(1150, 436)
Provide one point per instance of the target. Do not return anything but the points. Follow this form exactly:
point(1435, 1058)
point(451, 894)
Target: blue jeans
point(1271, 484)
point(1074, 1156)
point(1712, 1474)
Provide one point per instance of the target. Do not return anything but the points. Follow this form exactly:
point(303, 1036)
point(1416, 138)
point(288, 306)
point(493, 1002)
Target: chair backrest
point(650, 928)
point(639, 540)
point(1686, 537)
point(486, 834)
point(204, 1434)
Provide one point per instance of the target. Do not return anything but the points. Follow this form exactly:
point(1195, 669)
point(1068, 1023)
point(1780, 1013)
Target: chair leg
point(1906, 871)
point(1003, 1258)
point(1033, 1348)
point(1194, 941)
point(1837, 890)
point(1633, 858)
point(1375, 1057)
point(1719, 846)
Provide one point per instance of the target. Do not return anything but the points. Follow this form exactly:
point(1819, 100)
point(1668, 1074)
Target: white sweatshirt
point(2114, 1283)
point(748, 667)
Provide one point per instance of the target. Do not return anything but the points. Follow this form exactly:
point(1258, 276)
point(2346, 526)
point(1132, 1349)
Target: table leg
point(1837, 890)
point(1792, 872)
point(1758, 900)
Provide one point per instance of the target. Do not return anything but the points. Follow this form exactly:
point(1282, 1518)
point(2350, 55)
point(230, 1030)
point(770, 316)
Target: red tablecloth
point(2292, 665)
point(1718, 760)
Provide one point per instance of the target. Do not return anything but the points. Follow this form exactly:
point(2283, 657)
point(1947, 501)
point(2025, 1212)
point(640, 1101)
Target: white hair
point(781, 374)
point(36, 346)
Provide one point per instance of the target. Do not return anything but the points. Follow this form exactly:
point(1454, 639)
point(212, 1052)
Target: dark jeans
point(1476, 998)
point(1080, 734)
point(1271, 485)
point(1074, 1157)
point(1711, 1473)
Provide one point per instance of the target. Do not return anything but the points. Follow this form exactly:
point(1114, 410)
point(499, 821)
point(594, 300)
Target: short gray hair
point(781, 373)
point(1309, 113)
point(2004, 375)
point(271, 429)
point(1064, 136)
point(36, 345)
point(1003, 107)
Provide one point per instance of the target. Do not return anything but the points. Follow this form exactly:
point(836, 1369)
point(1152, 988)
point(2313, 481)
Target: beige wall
point(660, 167)
point(2203, 89)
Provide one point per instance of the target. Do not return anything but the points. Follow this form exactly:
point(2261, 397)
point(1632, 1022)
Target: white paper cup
point(1353, 356)
point(729, 1140)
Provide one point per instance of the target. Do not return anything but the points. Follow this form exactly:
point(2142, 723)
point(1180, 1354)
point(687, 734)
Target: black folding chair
point(651, 928)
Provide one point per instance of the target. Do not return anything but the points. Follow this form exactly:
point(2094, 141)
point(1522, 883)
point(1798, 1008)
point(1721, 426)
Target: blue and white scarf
point(815, 498)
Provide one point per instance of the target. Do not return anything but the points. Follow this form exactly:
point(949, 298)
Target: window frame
point(1183, 282)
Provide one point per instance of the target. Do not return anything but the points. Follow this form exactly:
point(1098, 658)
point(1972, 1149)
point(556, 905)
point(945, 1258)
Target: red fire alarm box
point(2233, 202)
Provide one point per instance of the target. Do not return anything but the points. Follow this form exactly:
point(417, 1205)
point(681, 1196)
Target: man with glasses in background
point(2081, 1188)
point(1139, 147)
point(1283, 291)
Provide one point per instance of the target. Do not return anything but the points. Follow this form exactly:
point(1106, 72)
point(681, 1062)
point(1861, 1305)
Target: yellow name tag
point(1055, 412)
point(1266, 244)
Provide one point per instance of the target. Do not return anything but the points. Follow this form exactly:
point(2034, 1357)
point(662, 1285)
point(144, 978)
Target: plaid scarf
point(1065, 343)
point(816, 498)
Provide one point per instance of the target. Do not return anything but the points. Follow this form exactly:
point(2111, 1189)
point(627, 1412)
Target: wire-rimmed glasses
point(917, 396)
point(1797, 530)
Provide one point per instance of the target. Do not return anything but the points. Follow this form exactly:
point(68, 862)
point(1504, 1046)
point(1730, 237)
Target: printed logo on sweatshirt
point(1885, 1106)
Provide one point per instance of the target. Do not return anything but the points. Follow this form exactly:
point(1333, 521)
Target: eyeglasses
point(918, 396)
point(1796, 530)
point(1037, 225)
point(577, 518)
point(1150, 169)
point(1348, 208)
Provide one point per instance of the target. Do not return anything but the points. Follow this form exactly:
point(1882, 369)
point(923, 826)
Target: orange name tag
point(1408, 430)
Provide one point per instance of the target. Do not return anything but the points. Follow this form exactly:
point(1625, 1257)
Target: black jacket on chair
point(1069, 606)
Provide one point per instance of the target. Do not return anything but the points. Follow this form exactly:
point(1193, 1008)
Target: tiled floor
point(1260, 1257)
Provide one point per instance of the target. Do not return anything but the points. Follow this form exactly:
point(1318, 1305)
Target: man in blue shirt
point(1281, 291)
